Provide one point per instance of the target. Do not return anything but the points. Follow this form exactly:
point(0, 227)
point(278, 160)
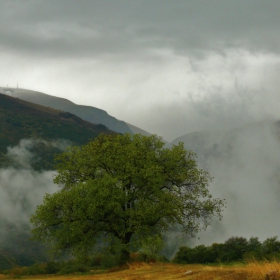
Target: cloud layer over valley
point(244, 162)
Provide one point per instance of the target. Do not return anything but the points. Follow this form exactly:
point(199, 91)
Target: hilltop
point(20, 119)
point(87, 113)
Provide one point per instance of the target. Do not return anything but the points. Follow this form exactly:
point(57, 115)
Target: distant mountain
point(88, 113)
point(204, 142)
point(136, 129)
point(20, 119)
point(201, 140)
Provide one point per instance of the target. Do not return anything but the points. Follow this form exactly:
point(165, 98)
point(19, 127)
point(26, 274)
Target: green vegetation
point(17, 249)
point(50, 131)
point(235, 249)
point(20, 119)
point(152, 245)
point(52, 267)
point(121, 189)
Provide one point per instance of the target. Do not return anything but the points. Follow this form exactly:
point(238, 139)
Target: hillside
point(88, 113)
point(244, 162)
point(23, 120)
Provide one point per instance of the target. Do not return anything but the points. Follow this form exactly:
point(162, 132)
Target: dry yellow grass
point(137, 271)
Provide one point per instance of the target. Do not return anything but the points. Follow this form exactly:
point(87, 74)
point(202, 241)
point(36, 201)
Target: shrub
point(36, 269)
point(53, 267)
point(109, 260)
point(70, 269)
point(182, 256)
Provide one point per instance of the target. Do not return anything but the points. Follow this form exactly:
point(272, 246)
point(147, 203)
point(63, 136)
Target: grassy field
point(164, 271)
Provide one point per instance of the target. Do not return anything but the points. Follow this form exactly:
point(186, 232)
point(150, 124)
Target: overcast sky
point(168, 67)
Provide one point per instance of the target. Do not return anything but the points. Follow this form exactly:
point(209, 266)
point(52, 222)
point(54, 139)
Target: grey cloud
point(22, 188)
point(21, 192)
point(61, 28)
point(21, 155)
point(217, 110)
point(245, 164)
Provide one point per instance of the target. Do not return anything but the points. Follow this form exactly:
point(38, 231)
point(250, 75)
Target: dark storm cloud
point(56, 28)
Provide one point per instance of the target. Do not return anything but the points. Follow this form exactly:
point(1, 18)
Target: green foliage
point(35, 269)
point(74, 268)
point(182, 256)
point(152, 245)
point(20, 119)
point(109, 260)
point(69, 267)
point(235, 249)
point(17, 248)
point(123, 186)
point(52, 267)
point(6, 260)
point(254, 245)
point(271, 245)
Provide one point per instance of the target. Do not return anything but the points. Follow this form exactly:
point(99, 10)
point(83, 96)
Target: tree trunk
point(125, 250)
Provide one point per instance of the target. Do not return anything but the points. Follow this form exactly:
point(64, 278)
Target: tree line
point(232, 250)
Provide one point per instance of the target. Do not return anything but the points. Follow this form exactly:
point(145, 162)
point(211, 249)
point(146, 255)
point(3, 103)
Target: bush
point(16, 271)
point(235, 249)
point(25, 270)
point(53, 267)
point(74, 268)
point(182, 256)
point(110, 260)
point(251, 256)
point(35, 269)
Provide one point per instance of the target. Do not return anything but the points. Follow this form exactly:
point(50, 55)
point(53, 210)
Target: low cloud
point(22, 155)
point(21, 191)
point(245, 165)
point(23, 188)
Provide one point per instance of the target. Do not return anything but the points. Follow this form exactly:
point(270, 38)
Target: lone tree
point(124, 187)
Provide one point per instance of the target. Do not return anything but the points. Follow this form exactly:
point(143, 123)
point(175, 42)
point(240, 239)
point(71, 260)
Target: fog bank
point(245, 164)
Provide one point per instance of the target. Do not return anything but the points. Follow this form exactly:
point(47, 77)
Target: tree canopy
point(235, 249)
point(124, 187)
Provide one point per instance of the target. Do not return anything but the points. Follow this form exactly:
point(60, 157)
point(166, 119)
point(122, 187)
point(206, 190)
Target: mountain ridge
point(20, 119)
point(88, 113)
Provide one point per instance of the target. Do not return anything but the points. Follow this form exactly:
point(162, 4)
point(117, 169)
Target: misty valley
point(244, 163)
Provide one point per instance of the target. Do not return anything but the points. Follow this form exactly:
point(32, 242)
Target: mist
point(245, 164)
point(22, 189)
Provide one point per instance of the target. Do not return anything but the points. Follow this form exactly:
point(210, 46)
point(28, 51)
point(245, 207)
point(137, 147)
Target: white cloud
point(161, 91)
point(21, 192)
